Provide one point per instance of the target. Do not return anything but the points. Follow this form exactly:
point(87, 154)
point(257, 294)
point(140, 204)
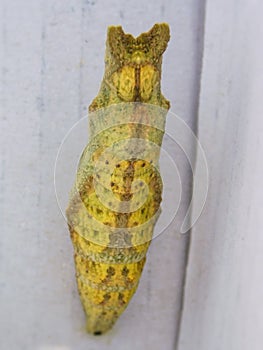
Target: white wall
point(52, 64)
point(223, 306)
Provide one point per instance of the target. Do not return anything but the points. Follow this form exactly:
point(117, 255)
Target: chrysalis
point(115, 201)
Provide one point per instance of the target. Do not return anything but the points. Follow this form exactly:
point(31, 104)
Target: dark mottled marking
point(106, 297)
point(121, 298)
point(125, 271)
point(110, 271)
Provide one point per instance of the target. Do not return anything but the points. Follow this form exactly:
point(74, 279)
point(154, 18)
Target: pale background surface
point(51, 66)
point(224, 287)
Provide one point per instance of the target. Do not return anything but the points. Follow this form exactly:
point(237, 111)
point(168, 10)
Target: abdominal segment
point(110, 246)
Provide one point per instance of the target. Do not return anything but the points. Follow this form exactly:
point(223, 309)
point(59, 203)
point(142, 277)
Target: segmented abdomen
point(113, 209)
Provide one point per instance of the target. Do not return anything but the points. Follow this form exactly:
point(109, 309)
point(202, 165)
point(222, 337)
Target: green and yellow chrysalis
point(115, 201)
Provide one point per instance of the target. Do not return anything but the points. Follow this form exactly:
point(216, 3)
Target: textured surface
point(51, 66)
point(115, 200)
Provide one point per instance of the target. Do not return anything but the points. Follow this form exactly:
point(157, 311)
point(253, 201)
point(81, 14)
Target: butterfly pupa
point(116, 197)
